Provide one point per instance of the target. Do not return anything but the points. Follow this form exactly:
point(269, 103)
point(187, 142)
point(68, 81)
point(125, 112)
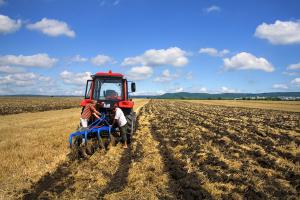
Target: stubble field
point(180, 150)
point(19, 104)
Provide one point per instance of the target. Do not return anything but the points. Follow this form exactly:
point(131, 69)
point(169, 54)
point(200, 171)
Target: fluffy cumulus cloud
point(247, 61)
point(101, 60)
point(52, 27)
point(23, 79)
point(213, 52)
point(280, 86)
point(78, 58)
point(281, 32)
point(75, 78)
point(9, 70)
point(173, 56)
point(8, 25)
point(139, 73)
point(225, 89)
point(294, 66)
point(212, 8)
point(296, 81)
point(38, 60)
point(203, 89)
point(166, 76)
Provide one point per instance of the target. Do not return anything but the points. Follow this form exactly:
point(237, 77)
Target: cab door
point(88, 89)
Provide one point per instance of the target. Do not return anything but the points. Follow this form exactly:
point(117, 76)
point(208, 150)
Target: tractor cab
point(108, 89)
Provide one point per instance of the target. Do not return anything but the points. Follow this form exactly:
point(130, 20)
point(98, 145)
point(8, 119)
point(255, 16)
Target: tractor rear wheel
point(131, 119)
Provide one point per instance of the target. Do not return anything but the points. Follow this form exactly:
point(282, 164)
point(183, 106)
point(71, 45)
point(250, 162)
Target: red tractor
point(107, 89)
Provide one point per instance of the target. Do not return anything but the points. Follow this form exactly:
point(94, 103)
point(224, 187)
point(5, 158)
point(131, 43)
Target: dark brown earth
point(188, 151)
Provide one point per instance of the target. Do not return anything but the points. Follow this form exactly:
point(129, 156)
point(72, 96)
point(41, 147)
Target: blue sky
point(52, 47)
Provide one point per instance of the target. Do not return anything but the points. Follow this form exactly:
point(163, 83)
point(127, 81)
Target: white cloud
point(212, 8)
point(44, 78)
point(203, 89)
point(78, 58)
point(9, 70)
point(189, 76)
point(178, 89)
point(77, 92)
point(139, 73)
point(294, 66)
point(52, 27)
point(156, 57)
point(296, 81)
point(32, 83)
point(166, 76)
point(37, 60)
point(247, 61)
point(213, 52)
point(281, 32)
point(225, 89)
point(280, 86)
point(290, 73)
point(143, 92)
point(6, 91)
point(101, 60)
point(23, 79)
point(75, 78)
point(8, 25)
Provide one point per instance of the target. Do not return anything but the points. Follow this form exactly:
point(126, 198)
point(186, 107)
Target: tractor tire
point(131, 120)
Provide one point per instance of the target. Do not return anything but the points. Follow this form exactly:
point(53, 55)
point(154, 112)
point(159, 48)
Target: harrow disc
point(76, 149)
point(91, 146)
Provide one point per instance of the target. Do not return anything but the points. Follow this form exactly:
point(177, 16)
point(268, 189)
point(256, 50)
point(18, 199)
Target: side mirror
point(133, 87)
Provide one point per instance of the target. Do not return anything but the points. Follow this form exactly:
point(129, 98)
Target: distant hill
point(187, 95)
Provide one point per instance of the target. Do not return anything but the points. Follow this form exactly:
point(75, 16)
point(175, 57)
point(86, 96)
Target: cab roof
point(108, 74)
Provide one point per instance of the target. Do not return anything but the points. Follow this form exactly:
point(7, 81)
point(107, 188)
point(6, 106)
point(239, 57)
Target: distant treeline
point(274, 96)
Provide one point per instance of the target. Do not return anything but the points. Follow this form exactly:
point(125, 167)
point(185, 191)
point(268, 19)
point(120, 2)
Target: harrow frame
point(93, 128)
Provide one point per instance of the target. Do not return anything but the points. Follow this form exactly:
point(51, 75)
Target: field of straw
point(17, 104)
point(180, 150)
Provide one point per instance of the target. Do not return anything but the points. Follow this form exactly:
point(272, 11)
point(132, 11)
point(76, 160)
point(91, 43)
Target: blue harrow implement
point(87, 140)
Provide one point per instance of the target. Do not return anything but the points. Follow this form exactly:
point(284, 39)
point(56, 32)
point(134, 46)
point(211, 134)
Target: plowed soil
point(184, 150)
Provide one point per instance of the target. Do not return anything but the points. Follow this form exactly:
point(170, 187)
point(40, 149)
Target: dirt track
point(189, 151)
